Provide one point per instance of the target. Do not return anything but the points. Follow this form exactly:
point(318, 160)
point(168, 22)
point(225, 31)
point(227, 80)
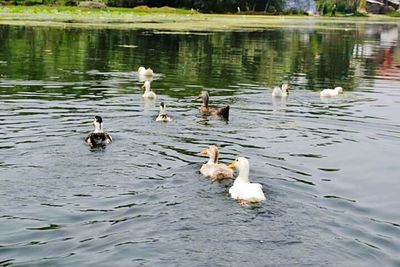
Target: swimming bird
point(282, 91)
point(208, 110)
point(163, 116)
point(212, 169)
point(148, 93)
point(331, 92)
point(98, 137)
point(145, 72)
point(242, 189)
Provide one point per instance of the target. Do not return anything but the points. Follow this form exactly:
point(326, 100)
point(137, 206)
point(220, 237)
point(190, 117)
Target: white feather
point(213, 169)
point(281, 91)
point(163, 116)
point(145, 72)
point(331, 92)
point(148, 93)
point(242, 189)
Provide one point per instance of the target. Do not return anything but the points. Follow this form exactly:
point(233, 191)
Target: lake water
point(329, 168)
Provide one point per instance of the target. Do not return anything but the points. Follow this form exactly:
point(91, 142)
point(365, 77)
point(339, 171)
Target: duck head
point(285, 88)
point(212, 152)
point(163, 108)
point(339, 89)
point(98, 124)
point(141, 69)
point(204, 97)
point(242, 165)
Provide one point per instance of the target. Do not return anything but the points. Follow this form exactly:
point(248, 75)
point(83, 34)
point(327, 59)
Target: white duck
point(282, 91)
point(163, 116)
point(212, 169)
point(145, 72)
point(242, 189)
point(147, 91)
point(331, 92)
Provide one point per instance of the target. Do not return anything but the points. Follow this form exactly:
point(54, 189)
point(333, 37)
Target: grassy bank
point(165, 19)
point(140, 10)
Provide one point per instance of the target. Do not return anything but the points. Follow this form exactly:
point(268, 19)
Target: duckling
point(282, 91)
point(242, 189)
point(207, 110)
point(98, 137)
point(212, 169)
point(163, 116)
point(148, 93)
point(331, 92)
point(145, 72)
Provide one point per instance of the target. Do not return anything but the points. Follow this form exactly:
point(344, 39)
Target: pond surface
point(329, 168)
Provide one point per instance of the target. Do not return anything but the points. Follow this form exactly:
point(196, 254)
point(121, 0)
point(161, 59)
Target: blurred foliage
point(395, 14)
point(354, 7)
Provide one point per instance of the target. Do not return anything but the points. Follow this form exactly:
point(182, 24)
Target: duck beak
point(142, 86)
point(232, 165)
point(204, 152)
point(198, 97)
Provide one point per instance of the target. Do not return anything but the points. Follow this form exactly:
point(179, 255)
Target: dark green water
point(329, 168)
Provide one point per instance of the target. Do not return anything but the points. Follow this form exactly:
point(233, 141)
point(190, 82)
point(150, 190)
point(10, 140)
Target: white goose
point(145, 72)
point(242, 189)
point(147, 91)
point(331, 92)
point(282, 91)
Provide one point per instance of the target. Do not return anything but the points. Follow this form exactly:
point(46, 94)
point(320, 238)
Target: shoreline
point(172, 20)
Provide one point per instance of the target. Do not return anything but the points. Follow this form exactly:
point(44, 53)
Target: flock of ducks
point(242, 189)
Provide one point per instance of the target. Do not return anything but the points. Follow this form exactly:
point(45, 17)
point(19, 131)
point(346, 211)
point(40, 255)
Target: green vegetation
point(395, 14)
point(163, 19)
point(42, 9)
point(52, 15)
point(342, 7)
point(254, 7)
point(214, 6)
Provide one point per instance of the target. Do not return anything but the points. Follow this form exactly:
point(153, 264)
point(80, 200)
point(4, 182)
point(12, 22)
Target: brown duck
point(208, 110)
point(212, 169)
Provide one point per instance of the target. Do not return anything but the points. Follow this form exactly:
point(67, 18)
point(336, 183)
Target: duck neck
point(162, 111)
point(213, 158)
point(146, 86)
point(98, 128)
point(205, 100)
point(243, 176)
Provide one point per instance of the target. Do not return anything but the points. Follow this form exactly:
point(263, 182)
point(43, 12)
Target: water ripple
point(328, 167)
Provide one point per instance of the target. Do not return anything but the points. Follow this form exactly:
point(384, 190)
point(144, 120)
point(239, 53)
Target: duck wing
point(94, 139)
point(277, 91)
point(108, 137)
point(224, 112)
point(251, 192)
point(221, 172)
point(328, 92)
point(164, 118)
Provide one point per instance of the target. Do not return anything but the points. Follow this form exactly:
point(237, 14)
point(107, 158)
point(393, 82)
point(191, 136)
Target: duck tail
point(224, 112)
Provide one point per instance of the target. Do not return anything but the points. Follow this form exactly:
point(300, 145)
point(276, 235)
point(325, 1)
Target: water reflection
point(279, 103)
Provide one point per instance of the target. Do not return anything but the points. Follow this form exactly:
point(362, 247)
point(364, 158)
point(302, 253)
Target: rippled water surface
point(329, 168)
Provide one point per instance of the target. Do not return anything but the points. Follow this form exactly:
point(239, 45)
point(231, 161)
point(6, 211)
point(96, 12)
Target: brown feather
point(98, 139)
